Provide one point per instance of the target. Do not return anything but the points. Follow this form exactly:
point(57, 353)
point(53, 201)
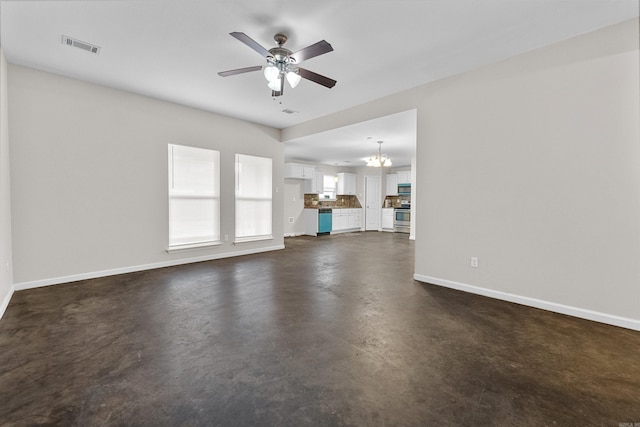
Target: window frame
point(202, 240)
point(238, 192)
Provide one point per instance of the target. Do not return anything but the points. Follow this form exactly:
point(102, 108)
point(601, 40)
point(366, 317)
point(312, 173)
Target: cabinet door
point(387, 219)
point(357, 215)
point(336, 218)
point(341, 219)
point(344, 221)
point(307, 172)
point(340, 187)
point(352, 221)
point(319, 182)
point(351, 184)
point(346, 184)
point(404, 177)
point(314, 185)
point(392, 184)
point(297, 171)
point(292, 170)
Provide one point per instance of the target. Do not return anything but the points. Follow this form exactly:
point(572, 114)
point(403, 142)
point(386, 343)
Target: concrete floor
point(330, 331)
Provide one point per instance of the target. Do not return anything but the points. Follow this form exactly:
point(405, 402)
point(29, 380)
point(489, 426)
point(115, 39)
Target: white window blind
point(329, 187)
point(194, 196)
point(253, 198)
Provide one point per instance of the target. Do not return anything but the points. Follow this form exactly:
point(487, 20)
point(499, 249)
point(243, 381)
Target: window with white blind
point(253, 198)
point(329, 187)
point(194, 197)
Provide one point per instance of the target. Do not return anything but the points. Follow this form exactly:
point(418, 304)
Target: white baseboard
point(293, 234)
point(582, 313)
point(5, 301)
point(95, 274)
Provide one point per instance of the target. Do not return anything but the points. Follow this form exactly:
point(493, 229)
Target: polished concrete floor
point(330, 331)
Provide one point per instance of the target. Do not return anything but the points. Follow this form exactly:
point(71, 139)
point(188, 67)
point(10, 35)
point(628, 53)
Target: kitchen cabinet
point(346, 184)
point(340, 220)
point(311, 222)
point(404, 177)
point(346, 220)
point(387, 219)
point(392, 184)
point(297, 171)
point(355, 218)
point(315, 185)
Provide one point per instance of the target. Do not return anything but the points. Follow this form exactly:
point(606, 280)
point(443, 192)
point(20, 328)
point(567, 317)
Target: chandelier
point(379, 160)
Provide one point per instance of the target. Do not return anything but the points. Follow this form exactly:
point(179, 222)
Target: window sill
point(252, 239)
point(192, 246)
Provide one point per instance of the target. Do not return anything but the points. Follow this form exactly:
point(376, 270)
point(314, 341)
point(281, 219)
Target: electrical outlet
point(474, 262)
point(290, 220)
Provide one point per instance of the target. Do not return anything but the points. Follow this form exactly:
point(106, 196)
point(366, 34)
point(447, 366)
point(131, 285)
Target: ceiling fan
point(283, 64)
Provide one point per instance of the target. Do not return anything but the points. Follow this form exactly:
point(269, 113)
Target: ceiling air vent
point(80, 44)
point(288, 111)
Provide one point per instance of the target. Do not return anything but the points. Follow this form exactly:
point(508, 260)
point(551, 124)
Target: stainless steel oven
point(401, 220)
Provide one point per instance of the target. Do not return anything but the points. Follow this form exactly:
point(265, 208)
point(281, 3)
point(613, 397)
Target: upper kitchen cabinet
point(404, 177)
point(315, 185)
point(392, 184)
point(346, 184)
point(297, 171)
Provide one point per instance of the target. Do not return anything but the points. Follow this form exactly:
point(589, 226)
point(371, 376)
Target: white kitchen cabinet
point(340, 219)
point(311, 222)
point(404, 177)
point(297, 171)
point(346, 220)
point(346, 184)
point(355, 218)
point(392, 184)
point(315, 185)
point(387, 219)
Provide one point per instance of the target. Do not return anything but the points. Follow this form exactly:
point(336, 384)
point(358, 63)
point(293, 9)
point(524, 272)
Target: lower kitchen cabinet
point(311, 222)
point(387, 219)
point(346, 220)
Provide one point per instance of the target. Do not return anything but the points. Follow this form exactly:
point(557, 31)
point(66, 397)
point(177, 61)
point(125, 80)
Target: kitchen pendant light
point(379, 160)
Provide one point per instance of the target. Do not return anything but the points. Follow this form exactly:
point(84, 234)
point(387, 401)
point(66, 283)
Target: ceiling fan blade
point(312, 51)
point(251, 43)
point(317, 78)
point(239, 71)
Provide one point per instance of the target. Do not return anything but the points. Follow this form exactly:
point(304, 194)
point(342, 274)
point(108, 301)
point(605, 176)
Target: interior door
point(373, 205)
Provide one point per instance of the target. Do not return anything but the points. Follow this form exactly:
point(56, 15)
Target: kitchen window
point(194, 197)
point(253, 198)
point(329, 187)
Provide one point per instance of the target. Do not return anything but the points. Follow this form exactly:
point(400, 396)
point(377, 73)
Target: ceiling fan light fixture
point(271, 73)
point(293, 78)
point(275, 85)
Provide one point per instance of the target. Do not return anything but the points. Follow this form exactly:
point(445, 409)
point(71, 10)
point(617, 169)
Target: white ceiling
point(172, 50)
point(352, 145)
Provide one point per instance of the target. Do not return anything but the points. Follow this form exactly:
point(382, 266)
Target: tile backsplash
point(313, 201)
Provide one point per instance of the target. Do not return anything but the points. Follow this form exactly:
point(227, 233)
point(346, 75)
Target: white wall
point(6, 277)
point(293, 207)
point(89, 177)
point(533, 165)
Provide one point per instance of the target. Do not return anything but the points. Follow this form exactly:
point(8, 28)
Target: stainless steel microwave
point(404, 189)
